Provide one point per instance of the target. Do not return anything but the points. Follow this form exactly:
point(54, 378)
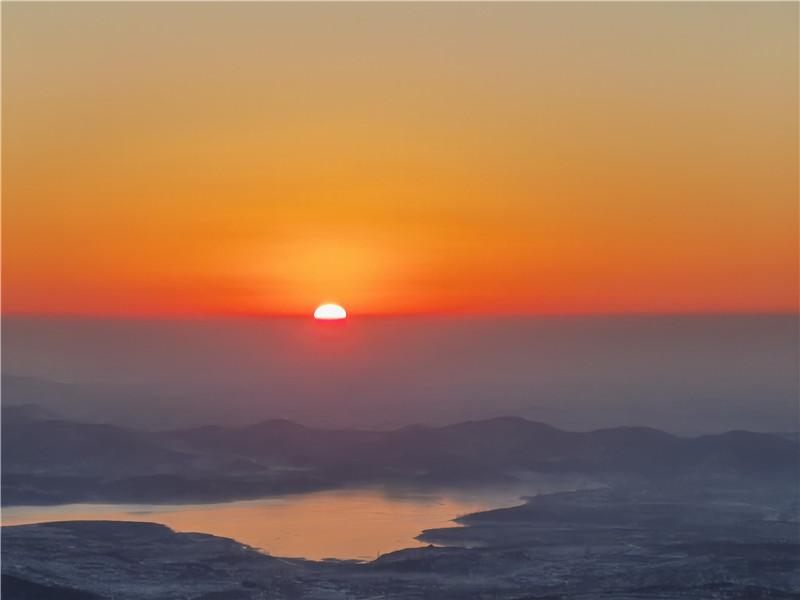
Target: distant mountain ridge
point(47, 460)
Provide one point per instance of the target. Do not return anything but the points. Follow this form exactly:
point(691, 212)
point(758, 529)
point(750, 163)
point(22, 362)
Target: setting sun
point(567, 237)
point(330, 312)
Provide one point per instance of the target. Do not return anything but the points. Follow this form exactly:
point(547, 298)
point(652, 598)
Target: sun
point(330, 312)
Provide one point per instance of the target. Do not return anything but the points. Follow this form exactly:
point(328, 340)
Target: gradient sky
point(264, 158)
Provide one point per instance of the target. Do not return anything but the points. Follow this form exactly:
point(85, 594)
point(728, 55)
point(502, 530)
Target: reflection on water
point(343, 524)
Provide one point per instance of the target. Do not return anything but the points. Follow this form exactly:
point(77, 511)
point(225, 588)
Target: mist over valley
point(688, 375)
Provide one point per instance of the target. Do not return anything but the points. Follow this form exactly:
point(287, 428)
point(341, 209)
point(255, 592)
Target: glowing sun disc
point(330, 311)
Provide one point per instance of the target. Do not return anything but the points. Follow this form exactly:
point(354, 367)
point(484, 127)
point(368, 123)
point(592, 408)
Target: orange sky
point(265, 158)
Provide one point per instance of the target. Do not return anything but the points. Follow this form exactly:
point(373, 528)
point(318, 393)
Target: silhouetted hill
point(742, 451)
point(273, 442)
point(50, 460)
point(55, 446)
point(23, 412)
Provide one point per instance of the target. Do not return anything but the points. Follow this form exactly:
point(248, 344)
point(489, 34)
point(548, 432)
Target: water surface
point(344, 524)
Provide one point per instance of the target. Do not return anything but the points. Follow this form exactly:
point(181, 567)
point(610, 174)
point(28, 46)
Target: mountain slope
point(47, 460)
